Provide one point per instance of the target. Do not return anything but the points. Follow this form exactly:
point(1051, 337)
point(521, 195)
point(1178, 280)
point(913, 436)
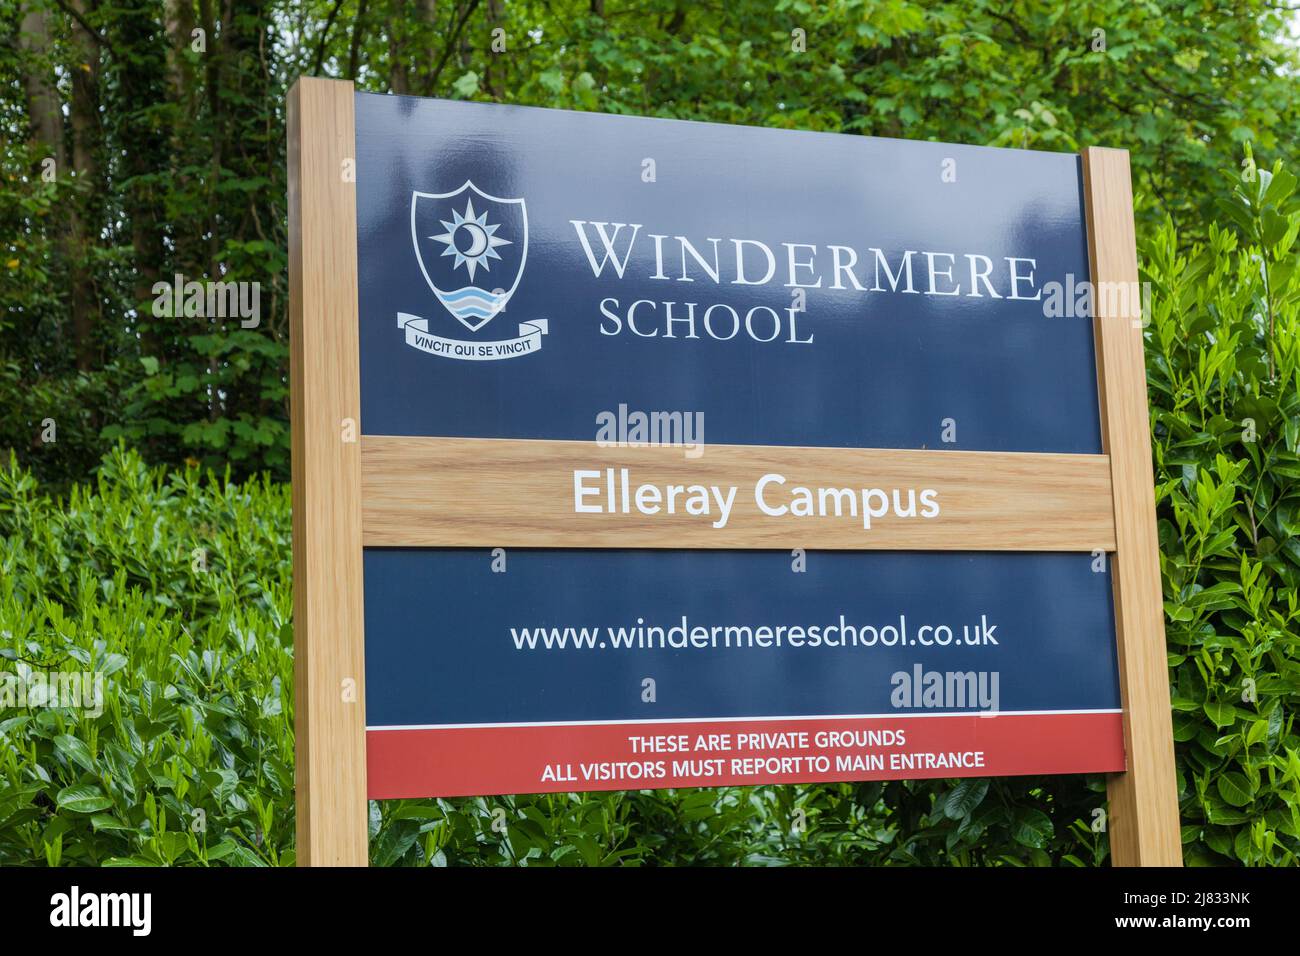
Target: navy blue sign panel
point(795, 288)
point(530, 274)
point(561, 635)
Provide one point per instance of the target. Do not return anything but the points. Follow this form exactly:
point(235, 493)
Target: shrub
point(177, 591)
point(1224, 378)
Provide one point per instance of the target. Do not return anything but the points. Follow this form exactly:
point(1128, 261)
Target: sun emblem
point(470, 239)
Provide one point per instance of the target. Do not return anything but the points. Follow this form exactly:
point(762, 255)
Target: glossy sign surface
point(883, 369)
point(545, 275)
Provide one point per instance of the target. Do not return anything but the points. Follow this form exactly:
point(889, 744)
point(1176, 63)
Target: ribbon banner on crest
point(419, 337)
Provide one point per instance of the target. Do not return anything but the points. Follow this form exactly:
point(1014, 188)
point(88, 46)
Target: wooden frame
point(461, 492)
point(325, 390)
point(351, 491)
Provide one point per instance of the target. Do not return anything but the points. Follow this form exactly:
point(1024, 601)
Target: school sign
point(633, 453)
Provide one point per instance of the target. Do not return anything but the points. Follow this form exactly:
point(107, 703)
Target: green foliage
point(191, 758)
point(1224, 375)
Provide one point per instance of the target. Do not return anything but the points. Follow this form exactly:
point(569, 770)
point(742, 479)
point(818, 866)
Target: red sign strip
point(550, 758)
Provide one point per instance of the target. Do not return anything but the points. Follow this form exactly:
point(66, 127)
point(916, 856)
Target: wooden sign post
point(1143, 823)
point(329, 653)
point(355, 493)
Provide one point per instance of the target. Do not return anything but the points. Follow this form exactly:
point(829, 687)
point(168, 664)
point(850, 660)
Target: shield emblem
point(471, 247)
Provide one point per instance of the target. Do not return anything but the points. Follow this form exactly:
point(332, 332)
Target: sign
point(692, 455)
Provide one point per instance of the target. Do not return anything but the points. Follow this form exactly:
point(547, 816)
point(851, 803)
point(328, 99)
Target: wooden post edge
point(1143, 818)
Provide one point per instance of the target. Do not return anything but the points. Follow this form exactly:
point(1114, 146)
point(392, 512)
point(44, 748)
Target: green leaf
point(466, 85)
point(1032, 828)
point(106, 821)
point(965, 797)
point(1235, 789)
point(75, 750)
point(83, 798)
point(1222, 715)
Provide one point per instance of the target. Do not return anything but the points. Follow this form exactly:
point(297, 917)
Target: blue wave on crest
point(471, 292)
point(461, 311)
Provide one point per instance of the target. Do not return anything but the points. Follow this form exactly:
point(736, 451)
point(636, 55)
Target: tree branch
point(324, 35)
point(449, 49)
point(357, 26)
point(81, 21)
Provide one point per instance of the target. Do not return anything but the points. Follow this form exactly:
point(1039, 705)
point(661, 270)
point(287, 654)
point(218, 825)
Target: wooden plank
point(1143, 818)
point(474, 492)
point(329, 698)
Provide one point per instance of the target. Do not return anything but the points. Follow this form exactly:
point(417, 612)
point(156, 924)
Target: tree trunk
point(182, 82)
point(179, 18)
point(83, 206)
point(354, 47)
point(141, 83)
point(399, 80)
point(43, 109)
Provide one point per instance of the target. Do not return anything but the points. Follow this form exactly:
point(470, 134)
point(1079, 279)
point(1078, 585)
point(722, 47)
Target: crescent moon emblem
point(478, 237)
